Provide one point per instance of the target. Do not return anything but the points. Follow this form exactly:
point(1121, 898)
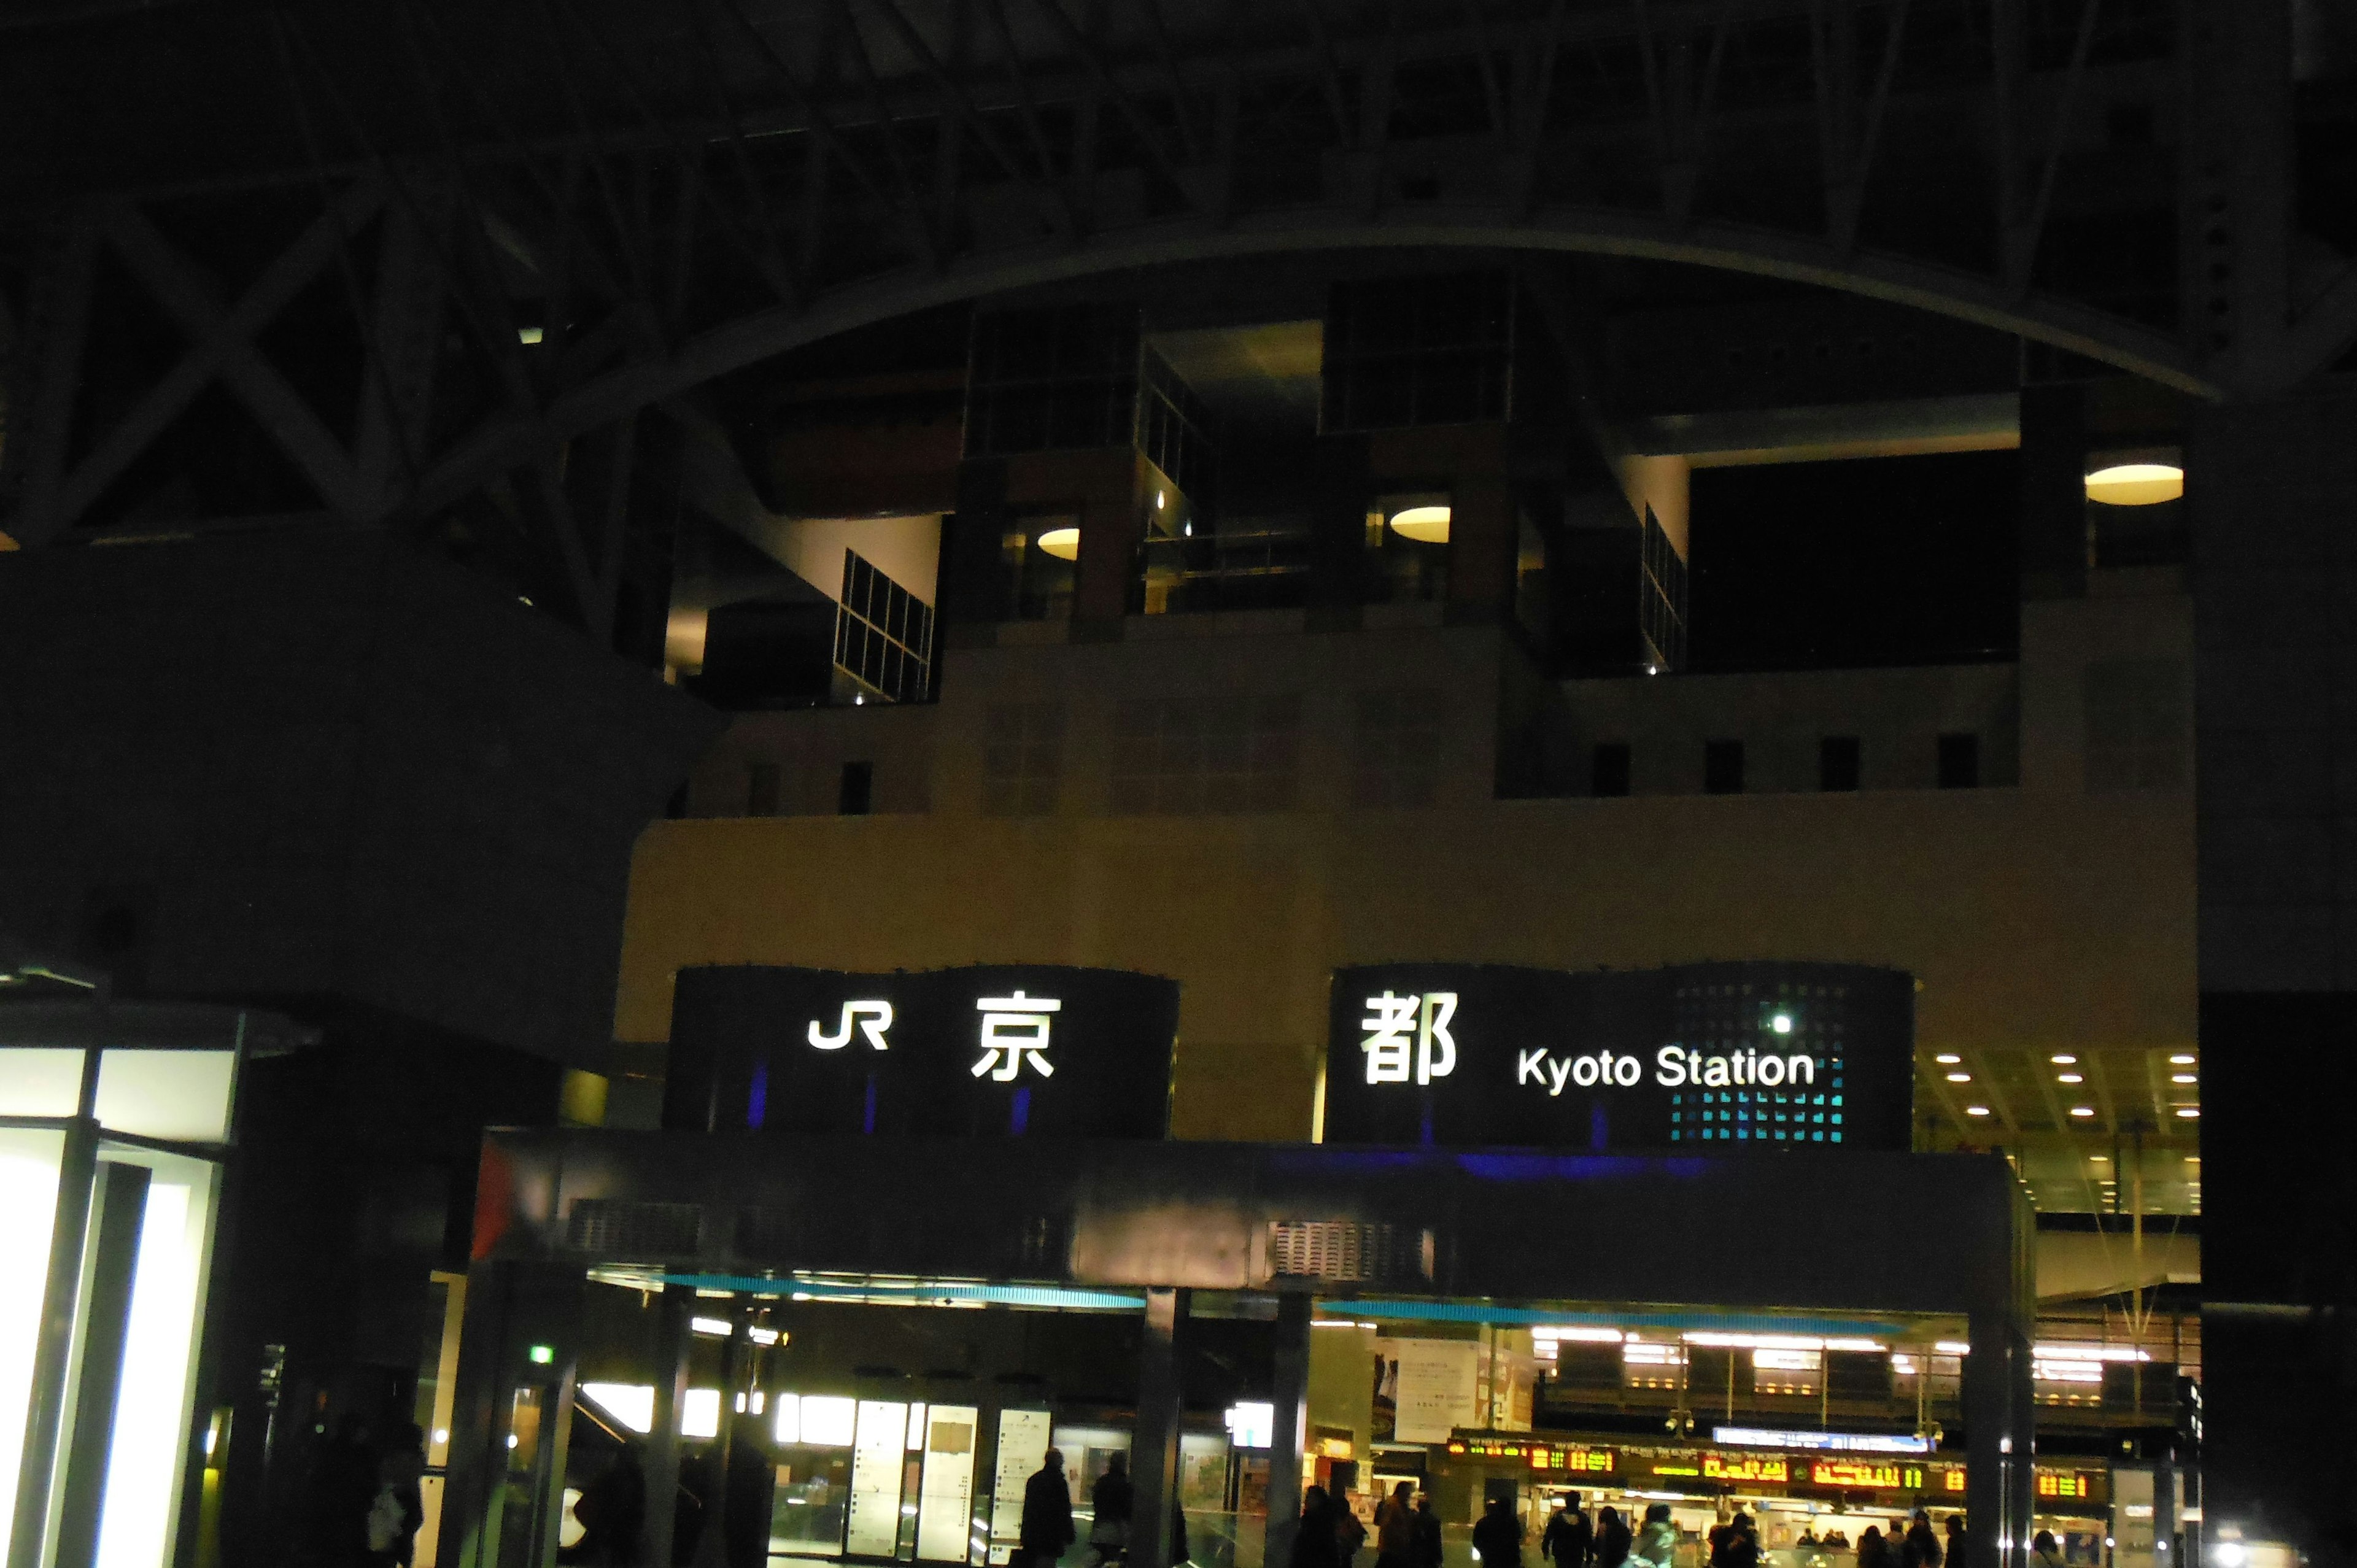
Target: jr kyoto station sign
point(1715, 1057)
point(997, 1050)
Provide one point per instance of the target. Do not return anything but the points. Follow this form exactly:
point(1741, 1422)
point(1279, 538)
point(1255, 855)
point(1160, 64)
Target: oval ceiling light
point(2135, 484)
point(1976, 1110)
point(1425, 524)
point(1063, 543)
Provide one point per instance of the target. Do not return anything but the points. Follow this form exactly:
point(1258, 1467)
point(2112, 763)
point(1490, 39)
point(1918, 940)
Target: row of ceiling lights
point(2181, 1059)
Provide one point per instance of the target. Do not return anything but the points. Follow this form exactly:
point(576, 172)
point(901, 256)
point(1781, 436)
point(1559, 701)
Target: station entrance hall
point(903, 1235)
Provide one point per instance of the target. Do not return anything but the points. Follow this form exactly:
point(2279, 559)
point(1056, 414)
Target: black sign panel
point(1712, 1058)
point(990, 1051)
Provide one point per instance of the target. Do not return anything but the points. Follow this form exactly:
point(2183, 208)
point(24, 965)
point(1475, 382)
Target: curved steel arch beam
point(1943, 291)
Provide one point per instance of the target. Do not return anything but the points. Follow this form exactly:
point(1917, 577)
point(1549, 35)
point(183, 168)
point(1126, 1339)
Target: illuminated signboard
point(1744, 1467)
point(1739, 1055)
point(2075, 1483)
point(992, 1050)
point(1824, 1441)
point(1572, 1458)
point(1884, 1473)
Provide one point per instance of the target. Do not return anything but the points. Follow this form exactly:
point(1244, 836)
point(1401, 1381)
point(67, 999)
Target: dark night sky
point(1869, 561)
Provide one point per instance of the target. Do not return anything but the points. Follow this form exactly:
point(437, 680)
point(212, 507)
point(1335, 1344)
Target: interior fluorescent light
point(1425, 524)
point(2135, 484)
point(1063, 543)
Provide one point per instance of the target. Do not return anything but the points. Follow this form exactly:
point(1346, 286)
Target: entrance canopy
point(1833, 1243)
point(1948, 1233)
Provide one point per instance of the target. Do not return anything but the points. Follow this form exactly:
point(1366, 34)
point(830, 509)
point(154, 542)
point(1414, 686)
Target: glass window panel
point(28, 1202)
point(40, 1082)
point(151, 1414)
point(182, 1095)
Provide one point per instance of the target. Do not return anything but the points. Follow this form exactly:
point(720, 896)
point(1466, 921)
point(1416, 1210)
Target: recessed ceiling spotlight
point(1976, 1110)
point(1947, 1058)
point(2070, 1078)
point(2083, 1111)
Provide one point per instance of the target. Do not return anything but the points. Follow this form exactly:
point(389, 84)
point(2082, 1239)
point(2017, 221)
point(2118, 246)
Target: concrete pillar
point(1154, 1445)
point(675, 1339)
point(1291, 1426)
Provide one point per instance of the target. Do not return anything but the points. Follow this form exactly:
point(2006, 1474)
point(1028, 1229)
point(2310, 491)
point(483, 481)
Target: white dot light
point(2083, 1111)
point(1976, 1110)
point(2062, 1059)
point(1783, 1022)
point(1960, 1077)
point(1947, 1058)
point(2070, 1078)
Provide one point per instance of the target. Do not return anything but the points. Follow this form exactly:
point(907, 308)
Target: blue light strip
point(914, 1293)
point(1722, 1322)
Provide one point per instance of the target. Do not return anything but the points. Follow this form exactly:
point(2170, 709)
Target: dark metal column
point(1997, 1497)
point(111, 1266)
point(1153, 1446)
point(1291, 1426)
point(476, 1474)
point(663, 1445)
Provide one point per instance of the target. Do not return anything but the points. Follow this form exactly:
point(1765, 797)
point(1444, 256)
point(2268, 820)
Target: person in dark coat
point(1742, 1543)
point(1426, 1551)
point(1047, 1512)
point(1313, 1536)
point(612, 1513)
point(1569, 1540)
point(1612, 1540)
point(1956, 1540)
point(1395, 1528)
point(1181, 1551)
point(1920, 1549)
point(1498, 1538)
point(1348, 1533)
point(1872, 1551)
point(1112, 1498)
point(400, 1471)
point(342, 1487)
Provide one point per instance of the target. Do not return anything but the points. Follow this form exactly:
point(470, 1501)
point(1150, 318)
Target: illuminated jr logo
point(873, 1018)
point(1392, 1021)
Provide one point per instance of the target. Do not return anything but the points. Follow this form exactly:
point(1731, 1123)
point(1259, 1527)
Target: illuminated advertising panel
point(992, 1050)
point(1708, 1056)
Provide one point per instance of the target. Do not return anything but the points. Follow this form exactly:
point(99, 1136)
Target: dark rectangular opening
point(1722, 767)
point(1837, 760)
point(1960, 762)
point(761, 789)
point(1609, 769)
point(858, 788)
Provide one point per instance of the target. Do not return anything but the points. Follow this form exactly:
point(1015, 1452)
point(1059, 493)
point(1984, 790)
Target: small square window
point(1722, 767)
point(856, 796)
point(1609, 769)
point(1960, 762)
point(1837, 763)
